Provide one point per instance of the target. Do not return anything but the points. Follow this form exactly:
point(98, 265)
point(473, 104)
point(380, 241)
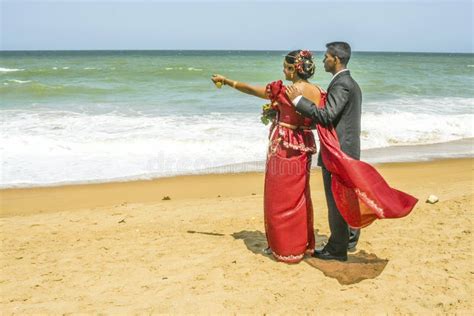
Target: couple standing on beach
point(356, 194)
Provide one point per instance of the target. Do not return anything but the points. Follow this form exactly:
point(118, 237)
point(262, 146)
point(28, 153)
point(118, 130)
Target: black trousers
point(342, 237)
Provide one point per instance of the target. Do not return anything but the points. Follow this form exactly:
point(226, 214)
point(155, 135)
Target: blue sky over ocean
point(412, 26)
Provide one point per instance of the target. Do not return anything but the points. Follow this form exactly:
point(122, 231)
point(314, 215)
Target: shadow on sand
point(359, 266)
point(256, 241)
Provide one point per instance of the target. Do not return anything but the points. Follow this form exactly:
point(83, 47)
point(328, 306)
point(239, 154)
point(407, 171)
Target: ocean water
point(97, 116)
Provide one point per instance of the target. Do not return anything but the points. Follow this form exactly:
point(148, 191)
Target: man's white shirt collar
point(336, 74)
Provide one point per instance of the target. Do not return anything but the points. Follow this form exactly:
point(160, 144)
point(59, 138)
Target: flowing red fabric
point(360, 192)
point(288, 209)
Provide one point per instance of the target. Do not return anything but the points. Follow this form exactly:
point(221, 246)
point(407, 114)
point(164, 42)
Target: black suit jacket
point(342, 110)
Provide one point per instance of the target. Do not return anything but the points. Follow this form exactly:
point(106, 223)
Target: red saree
point(288, 208)
point(360, 192)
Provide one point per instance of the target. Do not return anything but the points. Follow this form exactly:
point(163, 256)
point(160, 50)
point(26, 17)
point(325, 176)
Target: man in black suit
point(343, 111)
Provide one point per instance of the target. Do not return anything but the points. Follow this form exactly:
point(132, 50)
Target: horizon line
point(221, 50)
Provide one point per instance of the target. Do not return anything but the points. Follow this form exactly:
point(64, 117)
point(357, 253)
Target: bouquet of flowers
point(268, 114)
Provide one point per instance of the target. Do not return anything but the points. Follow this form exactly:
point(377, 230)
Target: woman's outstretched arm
point(241, 86)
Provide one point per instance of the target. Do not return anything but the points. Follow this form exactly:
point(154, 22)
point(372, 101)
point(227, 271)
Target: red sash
point(360, 192)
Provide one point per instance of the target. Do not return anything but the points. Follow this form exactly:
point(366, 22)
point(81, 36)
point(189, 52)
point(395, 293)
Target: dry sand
point(120, 248)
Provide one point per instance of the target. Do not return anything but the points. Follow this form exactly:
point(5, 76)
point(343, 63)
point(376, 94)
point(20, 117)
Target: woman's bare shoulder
point(312, 92)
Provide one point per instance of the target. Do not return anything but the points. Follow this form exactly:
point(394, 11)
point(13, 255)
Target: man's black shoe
point(351, 247)
point(326, 255)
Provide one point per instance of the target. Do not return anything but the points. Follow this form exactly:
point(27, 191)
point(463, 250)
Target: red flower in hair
point(306, 53)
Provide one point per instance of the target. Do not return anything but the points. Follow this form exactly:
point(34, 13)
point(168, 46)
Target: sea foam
point(10, 69)
point(48, 147)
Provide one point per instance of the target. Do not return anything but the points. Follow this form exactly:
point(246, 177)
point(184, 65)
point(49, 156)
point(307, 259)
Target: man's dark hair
point(341, 50)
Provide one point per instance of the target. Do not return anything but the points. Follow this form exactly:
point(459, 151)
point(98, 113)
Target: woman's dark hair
point(303, 61)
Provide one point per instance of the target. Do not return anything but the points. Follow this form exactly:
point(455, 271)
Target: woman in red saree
point(288, 209)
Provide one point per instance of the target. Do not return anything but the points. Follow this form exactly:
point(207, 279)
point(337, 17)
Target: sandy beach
point(123, 248)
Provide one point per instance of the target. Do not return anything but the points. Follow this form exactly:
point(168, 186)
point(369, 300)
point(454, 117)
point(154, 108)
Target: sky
point(393, 25)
